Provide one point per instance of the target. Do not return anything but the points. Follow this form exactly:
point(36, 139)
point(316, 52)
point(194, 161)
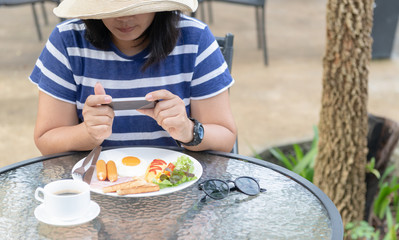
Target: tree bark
point(342, 150)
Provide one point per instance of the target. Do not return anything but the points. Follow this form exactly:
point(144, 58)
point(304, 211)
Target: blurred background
point(273, 105)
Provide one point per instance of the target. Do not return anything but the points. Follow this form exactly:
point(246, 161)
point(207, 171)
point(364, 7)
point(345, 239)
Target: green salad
point(176, 173)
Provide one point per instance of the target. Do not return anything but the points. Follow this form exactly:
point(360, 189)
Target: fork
point(81, 170)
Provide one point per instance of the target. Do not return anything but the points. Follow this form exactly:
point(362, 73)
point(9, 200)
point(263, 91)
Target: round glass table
point(291, 208)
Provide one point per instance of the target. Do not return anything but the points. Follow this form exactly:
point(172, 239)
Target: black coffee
point(67, 193)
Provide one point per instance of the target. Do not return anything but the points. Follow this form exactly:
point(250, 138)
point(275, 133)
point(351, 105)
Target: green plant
point(387, 196)
point(301, 163)
point(370, 168)
point(361, 230)
point(392, 227)
point(386, 204)
point(387, 199)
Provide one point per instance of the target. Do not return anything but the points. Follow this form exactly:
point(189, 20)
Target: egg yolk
point(130, 161)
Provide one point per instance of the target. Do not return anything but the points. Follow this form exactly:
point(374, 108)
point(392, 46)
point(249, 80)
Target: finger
point(100, 96)
point(93, 123)
point(99, 89)
point(159, 95)
point(148, 112)
point(102, 110)
point(168, 108)
point(167, 103)
point(95, 100)
point(99, 121)
point(167, 113)
point(178, 128)
point(173, 122)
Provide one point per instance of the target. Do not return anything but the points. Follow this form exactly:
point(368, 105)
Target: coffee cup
point(65, 199)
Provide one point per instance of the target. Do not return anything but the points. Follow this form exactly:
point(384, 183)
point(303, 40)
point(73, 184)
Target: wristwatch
point(198, 134)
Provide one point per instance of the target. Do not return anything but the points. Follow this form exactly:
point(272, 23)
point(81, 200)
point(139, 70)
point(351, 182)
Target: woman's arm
point(58, 129)
point(219, 127)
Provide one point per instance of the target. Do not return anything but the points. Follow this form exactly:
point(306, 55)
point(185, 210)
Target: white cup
point(65, 199)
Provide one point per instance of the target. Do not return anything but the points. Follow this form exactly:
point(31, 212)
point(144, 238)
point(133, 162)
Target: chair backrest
point(226, 46)
point(260, 18)
point(245, 2)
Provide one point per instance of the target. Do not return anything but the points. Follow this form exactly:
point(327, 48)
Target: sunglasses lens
point(216, 189)
point(247, 185)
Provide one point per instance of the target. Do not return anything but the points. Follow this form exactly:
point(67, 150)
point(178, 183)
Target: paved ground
point(272, 105)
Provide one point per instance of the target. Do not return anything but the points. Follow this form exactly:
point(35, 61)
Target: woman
point(119, 49)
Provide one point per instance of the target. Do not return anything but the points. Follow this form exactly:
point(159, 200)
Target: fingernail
point(108, 99)
point(148, 97)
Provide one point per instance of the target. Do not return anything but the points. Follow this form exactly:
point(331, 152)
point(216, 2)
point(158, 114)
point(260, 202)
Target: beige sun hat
point(99, 9)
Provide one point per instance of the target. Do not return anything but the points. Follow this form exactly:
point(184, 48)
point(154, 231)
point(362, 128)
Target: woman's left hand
point(170, 114)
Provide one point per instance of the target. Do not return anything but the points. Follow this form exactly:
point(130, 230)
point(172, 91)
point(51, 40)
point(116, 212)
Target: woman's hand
point(58, 128)
point(98, 118)
point(214, 113)
point(170, 114)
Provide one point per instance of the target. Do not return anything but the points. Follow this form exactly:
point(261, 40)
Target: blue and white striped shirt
point(69, 67)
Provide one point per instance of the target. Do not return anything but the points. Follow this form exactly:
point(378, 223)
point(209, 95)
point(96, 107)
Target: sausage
point(101, 170)
point(112, 173)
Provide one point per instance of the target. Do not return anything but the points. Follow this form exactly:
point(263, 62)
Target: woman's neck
point(130, 48)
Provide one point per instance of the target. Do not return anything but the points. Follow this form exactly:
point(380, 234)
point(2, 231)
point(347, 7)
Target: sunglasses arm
point(203, 199)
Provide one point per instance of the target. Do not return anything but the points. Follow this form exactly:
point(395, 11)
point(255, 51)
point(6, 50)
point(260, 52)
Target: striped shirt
point(69, 67)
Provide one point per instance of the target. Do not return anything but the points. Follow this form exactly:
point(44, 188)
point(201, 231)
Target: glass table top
point(287, 210)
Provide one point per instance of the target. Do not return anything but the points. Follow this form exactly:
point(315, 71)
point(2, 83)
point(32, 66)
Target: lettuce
point(184, 163)
point(183, 172)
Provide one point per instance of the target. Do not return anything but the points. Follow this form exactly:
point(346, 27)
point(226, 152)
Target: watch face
point(201, 132)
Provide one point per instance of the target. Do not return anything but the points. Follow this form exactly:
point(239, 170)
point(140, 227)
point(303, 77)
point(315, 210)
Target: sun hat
point(99, 9)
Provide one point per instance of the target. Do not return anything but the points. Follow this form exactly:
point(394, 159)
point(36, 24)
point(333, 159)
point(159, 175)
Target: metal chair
point(33, 3)
point(226, 47)
point(259, 19)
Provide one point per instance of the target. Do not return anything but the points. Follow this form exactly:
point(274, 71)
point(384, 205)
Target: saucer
point(42, 216)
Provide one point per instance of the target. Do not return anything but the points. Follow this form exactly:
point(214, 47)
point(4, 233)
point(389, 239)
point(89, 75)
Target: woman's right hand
point(98, 117)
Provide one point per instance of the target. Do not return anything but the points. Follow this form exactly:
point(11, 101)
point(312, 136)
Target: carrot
point(101, 170)
point(111, 171)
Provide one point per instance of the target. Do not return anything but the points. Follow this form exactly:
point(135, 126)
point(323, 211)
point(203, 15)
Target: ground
point(272, 105)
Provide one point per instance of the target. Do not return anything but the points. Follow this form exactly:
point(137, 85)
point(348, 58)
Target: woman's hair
point(162, 34)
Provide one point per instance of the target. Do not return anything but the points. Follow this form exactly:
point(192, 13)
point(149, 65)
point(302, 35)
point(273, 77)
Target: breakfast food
point(101, 170)
point(142, 177)
point(136, 185)
point(169, 169)
point(131, 161)
point(130, 166)
point(176, 173)
point(149, 187)
point(154, 170)
point(135, 182)
point(112, 173)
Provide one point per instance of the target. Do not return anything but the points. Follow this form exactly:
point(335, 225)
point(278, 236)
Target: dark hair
point(162, 34)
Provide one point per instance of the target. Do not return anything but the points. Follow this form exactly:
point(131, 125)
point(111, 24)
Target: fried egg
point(131, 166)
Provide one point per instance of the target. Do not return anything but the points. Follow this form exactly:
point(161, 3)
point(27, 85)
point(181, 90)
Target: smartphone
point(131, 103)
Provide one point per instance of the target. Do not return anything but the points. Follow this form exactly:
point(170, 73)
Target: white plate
point(42, 216)
point(146, 155)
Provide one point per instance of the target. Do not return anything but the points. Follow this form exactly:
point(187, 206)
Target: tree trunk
point(340, 164)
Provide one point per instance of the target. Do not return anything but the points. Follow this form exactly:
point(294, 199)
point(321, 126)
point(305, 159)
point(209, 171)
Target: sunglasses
point(219, 189)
